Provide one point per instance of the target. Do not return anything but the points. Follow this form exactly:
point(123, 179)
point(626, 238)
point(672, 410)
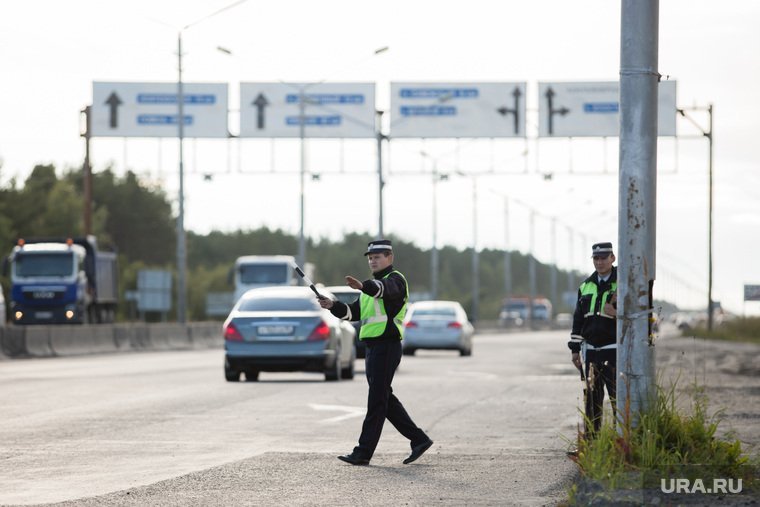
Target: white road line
point(350, 412)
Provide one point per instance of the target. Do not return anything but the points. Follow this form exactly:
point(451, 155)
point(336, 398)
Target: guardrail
point(70, 340)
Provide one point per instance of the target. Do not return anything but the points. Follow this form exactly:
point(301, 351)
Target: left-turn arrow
point(114, 102)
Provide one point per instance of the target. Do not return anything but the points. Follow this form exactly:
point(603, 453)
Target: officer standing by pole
point(593, 339)
point(381, 307)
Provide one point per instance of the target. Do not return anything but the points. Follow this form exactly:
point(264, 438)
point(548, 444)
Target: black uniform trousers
point(381, 361)
point(601, 372)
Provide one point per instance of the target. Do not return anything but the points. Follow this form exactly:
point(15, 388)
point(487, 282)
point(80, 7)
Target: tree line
point(136, 220)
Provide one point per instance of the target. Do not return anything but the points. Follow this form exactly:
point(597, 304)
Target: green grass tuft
point(665, 441)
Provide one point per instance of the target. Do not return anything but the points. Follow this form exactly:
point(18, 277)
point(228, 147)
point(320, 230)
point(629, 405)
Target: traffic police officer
point(381, 307)
point(593, 339)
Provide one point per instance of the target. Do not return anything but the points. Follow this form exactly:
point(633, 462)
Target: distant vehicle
point(515, 312)
point(256, 271)
point(61, 281)
point(346, 294)
point(564, 320)
point(285, 329)
point(437, 325)
point(2, 308)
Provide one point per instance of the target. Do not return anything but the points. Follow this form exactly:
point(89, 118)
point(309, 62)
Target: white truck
point(254, 271)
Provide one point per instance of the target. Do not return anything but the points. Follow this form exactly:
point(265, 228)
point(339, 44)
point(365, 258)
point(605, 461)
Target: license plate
point(275, 330)
point(43, 315)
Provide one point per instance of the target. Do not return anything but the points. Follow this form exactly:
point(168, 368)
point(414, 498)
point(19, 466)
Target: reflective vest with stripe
point(590, 295)
point(373, 316)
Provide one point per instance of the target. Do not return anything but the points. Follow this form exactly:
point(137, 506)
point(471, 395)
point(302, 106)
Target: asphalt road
point(164, 428)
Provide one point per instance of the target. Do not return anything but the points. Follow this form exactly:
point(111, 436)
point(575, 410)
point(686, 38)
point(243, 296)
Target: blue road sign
point(439, 93)
point(161, 119)
point(428, 110)
point(171, 98)
point(314, 121)
point(325, 98)
point(601, 107)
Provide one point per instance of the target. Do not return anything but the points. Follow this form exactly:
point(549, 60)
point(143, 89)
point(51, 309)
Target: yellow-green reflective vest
point(373, 316)
point(592, 289)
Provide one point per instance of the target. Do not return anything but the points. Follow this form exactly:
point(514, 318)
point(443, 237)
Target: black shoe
point(354, 459)
point(418, 450)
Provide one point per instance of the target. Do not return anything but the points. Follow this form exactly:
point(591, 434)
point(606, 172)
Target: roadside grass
point(740, 329)
point(666, 442)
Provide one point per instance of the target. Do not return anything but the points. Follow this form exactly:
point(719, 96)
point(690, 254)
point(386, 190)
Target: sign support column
point(181, 254)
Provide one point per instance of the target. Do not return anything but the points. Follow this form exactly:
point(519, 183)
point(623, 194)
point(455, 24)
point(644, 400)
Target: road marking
point(350, 412)
point(475, 374)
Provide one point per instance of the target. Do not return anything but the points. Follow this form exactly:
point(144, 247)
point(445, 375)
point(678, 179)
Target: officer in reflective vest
point(380, 308)
point(593, 340)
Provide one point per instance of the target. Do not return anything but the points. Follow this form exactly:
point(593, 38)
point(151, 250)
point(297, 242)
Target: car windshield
point(347, 297)
point(264, 273)
point(47, 264)
point(270, 304)
point(434, 313)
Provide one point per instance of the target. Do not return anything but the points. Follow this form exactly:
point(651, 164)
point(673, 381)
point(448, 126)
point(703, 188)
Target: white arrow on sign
point(350, 412)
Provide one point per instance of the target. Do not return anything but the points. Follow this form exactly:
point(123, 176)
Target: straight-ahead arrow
point(261, 102)
point(550, 101)
point(504, 110)
point(114, 102)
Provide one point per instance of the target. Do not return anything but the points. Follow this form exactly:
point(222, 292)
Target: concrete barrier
point(70, 340)
point(78, 340)
point(169, 337)
point(12, 342)
point(206, 335)
point(37, 341)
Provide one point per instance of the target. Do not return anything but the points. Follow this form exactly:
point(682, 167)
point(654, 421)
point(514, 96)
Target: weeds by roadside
point(667, 442)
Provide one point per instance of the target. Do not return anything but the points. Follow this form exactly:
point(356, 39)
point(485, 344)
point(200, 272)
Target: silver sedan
point(285, 329)
point(437, 325)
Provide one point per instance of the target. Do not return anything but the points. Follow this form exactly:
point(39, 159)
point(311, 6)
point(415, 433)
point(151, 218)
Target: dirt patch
point(728, 372)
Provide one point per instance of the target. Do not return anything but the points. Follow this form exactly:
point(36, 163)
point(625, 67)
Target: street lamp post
point(709, 135)
point(380, 182)
point(181, 248)
point(301, 134)
point(434, 250)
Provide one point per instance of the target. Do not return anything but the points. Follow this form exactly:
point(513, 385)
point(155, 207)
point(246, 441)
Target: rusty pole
point(637, 205)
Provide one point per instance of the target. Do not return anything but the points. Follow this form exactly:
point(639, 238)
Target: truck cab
point(48, 283)
point(255, 271)
point(66, 281)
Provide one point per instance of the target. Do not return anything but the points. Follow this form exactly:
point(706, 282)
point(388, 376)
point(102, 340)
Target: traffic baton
point(308, 281)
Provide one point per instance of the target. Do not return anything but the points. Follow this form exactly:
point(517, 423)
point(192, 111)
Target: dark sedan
point(285, 329)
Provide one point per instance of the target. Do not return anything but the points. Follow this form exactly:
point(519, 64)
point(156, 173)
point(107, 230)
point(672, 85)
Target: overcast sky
point(52, 51)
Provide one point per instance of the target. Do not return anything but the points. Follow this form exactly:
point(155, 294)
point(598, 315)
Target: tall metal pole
point(434, 250)
point(301, 134)
point(87, 173)
point(532, 269)
point(181, 253)
point(637, 206)
point(710, 310)
point(380, 182)
point(507, 253)
point(571, 288)
point(553, 274)
point(475, 254)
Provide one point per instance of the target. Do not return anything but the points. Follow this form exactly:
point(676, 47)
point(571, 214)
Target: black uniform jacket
point(597, 330)
point(391, 290)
